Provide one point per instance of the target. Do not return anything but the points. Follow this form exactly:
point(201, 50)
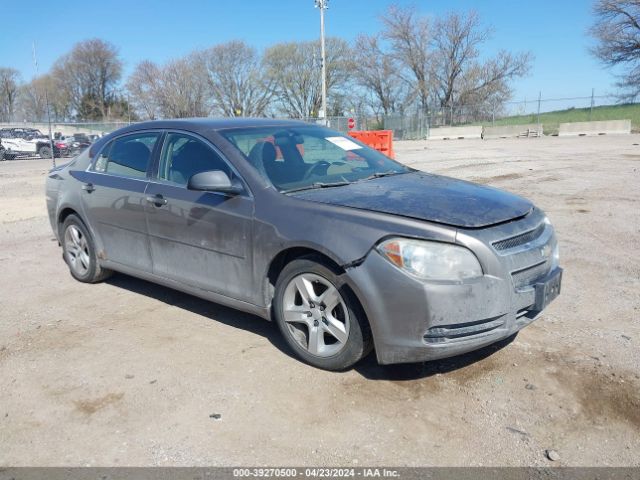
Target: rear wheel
point(319, 317)
point(44, 152)
point(79, 252)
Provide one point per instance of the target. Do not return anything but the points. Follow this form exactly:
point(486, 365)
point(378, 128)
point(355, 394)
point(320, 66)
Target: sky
point(556, 32)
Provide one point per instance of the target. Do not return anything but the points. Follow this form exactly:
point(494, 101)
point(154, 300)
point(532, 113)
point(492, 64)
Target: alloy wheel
point(316, 315)
point(77, 250)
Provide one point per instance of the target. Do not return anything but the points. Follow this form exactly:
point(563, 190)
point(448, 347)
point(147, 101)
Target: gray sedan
point(346, 249)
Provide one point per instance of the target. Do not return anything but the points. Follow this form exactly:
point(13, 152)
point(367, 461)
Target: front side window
point(127, 156)
point(183, 156)
point(297, 158)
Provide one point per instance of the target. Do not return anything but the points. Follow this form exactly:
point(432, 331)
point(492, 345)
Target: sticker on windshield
point(344, 143)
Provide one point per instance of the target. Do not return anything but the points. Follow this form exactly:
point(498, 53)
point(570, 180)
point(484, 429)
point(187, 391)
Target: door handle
point(88, 187)
point(158, 200)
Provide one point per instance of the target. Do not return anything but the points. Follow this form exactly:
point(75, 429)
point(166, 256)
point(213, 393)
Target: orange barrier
point(381, 140)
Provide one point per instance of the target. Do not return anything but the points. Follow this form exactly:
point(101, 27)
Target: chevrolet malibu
point(345, 249)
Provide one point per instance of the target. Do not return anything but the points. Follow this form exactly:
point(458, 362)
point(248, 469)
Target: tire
point(44, 152)
point(325, 328)
point(2, 158)
point(79, 252)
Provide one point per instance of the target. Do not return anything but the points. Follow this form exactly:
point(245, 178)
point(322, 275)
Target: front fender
point(343, 234)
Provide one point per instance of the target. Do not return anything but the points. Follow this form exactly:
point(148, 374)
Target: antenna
point(46, 100)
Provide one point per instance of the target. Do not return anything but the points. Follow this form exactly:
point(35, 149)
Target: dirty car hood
point(426, 197)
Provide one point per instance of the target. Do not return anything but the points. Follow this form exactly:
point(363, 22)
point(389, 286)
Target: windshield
point(298, 158)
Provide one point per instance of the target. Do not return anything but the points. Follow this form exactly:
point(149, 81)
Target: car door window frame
point(152, 157)
point(155, 178)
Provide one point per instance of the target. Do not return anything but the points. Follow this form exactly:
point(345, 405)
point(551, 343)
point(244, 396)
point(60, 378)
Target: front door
point(201, 239)
point(114, 198)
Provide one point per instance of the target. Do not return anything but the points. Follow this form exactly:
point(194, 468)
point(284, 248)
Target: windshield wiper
point(382, 174)
point(317, 185)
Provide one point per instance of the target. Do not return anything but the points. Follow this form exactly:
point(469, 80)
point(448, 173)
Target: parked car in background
point(346, 249)
point(62, 146)
point(26, 142)
point(2, 151)
point(76, 143)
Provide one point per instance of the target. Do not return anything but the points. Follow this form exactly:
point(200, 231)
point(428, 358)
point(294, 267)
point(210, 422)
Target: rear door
point(202, 239)
point(114, 198)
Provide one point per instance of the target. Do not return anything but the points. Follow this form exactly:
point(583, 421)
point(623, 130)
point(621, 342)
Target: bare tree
point(410, 37)
point(237, 82)
point(294, 69)
point(459, 76)
point(455, 42)
point(491, 77)
point(9, 83)
point(32, 99)
point(90, 74)
point(177, 89)
point(144, 86)
point(617, 30)
point(33, 96)
point(184, 88)
point(378, 72)
point(442, 58)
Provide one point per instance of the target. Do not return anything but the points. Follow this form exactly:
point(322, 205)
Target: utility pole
point(46, 101)
point(539, 101)
point(323, 5)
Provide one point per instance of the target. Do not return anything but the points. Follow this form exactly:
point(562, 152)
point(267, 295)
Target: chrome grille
point(519, 239)
point(529, 275)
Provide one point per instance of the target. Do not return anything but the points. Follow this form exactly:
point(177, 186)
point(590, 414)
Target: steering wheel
point(317, 166)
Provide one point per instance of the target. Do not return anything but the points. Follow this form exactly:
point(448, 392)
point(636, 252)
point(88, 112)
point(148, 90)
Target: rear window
point(127, 156)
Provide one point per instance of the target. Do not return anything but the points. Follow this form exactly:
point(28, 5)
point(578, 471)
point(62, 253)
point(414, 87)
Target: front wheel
point(79, 252)
point(319, 317)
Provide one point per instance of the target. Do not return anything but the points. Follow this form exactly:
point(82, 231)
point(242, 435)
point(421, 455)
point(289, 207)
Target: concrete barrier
point(452, 133)
point(609, 127)
point(511, 131)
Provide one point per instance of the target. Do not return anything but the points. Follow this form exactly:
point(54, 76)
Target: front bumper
point(414, 320)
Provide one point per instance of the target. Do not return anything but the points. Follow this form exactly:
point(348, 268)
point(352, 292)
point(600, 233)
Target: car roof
point(199, 125)
point(215, 123)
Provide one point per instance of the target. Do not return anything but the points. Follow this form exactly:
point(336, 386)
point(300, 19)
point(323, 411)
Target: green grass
point(551, 120)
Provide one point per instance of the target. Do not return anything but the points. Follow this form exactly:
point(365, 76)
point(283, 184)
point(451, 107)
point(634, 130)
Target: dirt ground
point(129, 373)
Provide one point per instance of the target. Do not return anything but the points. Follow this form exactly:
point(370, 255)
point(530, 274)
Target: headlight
point(431, 260)
point(555, 255)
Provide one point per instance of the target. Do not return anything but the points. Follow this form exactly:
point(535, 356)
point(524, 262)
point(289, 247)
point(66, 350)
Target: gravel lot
point(129, 373)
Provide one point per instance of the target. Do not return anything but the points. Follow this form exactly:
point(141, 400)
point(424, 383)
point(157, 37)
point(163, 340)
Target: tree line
point(413, 64)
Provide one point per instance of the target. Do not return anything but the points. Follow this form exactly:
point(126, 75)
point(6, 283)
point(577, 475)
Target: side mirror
point(214, 181)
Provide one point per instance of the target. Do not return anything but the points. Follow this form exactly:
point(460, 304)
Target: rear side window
point(127, 156)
